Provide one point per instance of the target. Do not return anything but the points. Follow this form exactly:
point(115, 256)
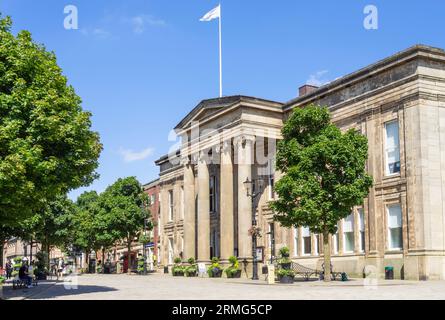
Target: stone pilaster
point(226, 191)
point(203, 209)
point(244, 145)
point(189, 212)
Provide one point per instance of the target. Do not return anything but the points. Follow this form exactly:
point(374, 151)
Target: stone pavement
point(166, 287)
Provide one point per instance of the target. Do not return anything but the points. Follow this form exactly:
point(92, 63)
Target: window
point(317, 244)
point(271, 188)
point(392, 148)
point(182, 202)
point(153, 199)
point(170, 251)
point(307, 246)
point(170, 205)
point(361, 217)
point(271, 166)
point(295, 241)
point(348, 234)
point(212, 193)
point(395, 227)
point(335, 245)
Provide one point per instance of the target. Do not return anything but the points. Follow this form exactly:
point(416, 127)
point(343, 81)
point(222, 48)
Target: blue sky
point(142, 65)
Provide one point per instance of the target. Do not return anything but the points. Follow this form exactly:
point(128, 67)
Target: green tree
point(46, 144)
point(324, 174)
point(52, 226)
point(84, 222)
point(125, 208)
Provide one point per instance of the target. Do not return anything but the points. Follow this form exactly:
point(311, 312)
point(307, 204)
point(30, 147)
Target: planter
point(178, 274)
point(286, 266)
point(217, 274)
point(191, 274)
point(237, 274)
point(287, 279)
point(41, 276)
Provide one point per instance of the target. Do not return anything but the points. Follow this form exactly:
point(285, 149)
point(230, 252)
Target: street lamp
point(253, 194)
point(144, 249)
point(144, 242)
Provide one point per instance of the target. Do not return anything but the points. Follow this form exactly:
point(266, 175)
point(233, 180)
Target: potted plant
point(178, 269)
point(41, 272)
point(286, 275)
point(215, 270)
point(141, 261)
point(2, 280)
point(234, 270)
point(285, 262)
point(16, 266)
point(192, 269)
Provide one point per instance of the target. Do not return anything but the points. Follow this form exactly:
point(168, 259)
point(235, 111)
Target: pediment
point(207, 108)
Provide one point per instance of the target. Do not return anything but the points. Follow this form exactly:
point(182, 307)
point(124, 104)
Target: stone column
point(203, 209)
point(244, 147)
point(189, 210)
point(226, 192)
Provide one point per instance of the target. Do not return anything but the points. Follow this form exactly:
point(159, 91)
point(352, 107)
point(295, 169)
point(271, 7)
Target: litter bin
point(166, 269)
point(389, 273)
point(264, 269)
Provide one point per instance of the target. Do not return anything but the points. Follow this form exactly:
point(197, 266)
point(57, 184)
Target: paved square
point(166, 287)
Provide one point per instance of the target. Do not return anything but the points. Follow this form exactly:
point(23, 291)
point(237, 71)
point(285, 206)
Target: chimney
point(306, 89)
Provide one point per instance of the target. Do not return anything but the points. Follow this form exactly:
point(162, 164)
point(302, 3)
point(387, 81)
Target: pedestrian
point(31, 269)
point(24, 276)
point(60, 267)
point(9, 269)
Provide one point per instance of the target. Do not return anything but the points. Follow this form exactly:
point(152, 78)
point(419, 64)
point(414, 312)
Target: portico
point(216, 158)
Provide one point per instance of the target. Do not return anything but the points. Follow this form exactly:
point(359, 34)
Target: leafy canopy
point(124, 205)
point(46, 144)
point(324, 171)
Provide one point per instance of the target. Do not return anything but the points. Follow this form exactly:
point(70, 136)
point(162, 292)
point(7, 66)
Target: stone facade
point(15, 247)
point(398, 103)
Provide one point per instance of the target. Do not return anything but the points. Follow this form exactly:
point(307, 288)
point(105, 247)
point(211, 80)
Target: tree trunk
point(1, 253)
point(327, 256)
point(85, 261)
point(48, 258)
point(103, 260)
point(129, 255)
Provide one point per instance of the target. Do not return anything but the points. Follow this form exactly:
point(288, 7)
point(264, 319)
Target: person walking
point(8, 269)
point(60, 267)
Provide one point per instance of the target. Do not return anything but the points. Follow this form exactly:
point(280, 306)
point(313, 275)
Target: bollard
point(270, 274)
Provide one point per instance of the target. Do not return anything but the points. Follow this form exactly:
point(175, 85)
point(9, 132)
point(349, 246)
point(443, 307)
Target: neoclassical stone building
point(398, 103)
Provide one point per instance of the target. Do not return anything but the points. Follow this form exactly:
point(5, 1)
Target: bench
point(299, 270)
point(303, 271)
point(19, 283)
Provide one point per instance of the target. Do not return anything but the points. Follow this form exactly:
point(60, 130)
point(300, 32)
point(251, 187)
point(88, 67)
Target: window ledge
point(394, 251)
point(391, 176)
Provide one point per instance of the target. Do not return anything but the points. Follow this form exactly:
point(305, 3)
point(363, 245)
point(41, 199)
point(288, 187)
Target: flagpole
point(220, 54)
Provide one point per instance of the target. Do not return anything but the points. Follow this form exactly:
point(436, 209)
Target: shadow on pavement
point(60, 291)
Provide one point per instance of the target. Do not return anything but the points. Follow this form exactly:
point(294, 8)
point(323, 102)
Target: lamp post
point(253, 194)
point(144, 246)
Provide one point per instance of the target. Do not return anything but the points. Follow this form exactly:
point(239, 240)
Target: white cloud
point(130, 155)
point(317, 79)
point(140, 22)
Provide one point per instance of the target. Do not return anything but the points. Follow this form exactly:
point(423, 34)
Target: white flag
point(212, 14)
